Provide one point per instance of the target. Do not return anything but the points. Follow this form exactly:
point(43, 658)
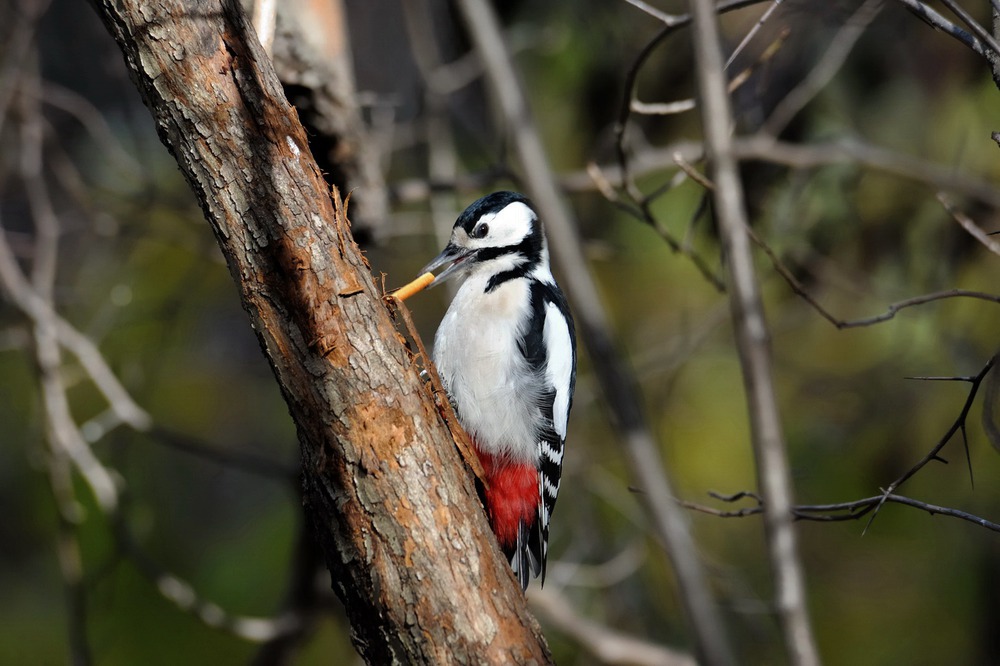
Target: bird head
point(497, 233)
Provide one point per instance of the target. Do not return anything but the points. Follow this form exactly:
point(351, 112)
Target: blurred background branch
point(605, 644)
point(753, 341)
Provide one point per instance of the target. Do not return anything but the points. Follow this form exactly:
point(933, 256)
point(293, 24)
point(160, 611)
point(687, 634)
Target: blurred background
point(206, 548)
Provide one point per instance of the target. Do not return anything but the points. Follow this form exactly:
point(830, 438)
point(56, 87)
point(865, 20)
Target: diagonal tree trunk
point(392, 505)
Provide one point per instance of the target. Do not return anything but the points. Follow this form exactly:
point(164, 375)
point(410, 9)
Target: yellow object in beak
point(414, 287)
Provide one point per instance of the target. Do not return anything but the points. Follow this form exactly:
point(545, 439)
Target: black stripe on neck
point(530, 249)
point(506, 276)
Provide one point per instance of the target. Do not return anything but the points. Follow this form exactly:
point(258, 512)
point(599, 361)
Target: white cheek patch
point(509, 226)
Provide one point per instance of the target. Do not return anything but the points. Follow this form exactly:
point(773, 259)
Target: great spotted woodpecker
point(506, 353)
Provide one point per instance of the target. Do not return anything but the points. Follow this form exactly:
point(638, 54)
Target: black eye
point(481, 231)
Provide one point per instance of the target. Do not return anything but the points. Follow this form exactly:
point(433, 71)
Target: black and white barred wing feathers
point(550, 347)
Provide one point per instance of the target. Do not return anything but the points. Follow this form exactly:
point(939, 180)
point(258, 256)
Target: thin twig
point(843, 511)
point(894, 308)
point(693, 173)
point(752, 32)
point(849, 149)
point(603, 575)
point(891, 310)
point(938, 22)
point(625, 109)
point(663, 17)
point(957, 426)
point(972, 24)
point(19, 46)
point(966, 222)
point(824, 71)
point(683, 105)
point(663, 108)
point(442, 153)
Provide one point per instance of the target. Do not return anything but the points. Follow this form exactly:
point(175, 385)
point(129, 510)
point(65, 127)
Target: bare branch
point(757, 147)
point(63, 432)
point(302, 601)
point(966, 222)
point(236, 459)
point(603, 574)
point(678, 20)
point(799, 289)
point(847, 150)
point(764, 148)
point(662, 108)
point(957, 426)
point(918, 300)
point(40, 311)
point(312, 57)
point(752, 32)
point(752, 341)
point(442, 153)
point(680, 106)
point(69, 556)
point(663, 17)
point(938, 22)
point(607, 645)
point(19, 48)
point(90, 117)
point(843, 511)
point(831, 62)
point(991, 404)
point(183, 595)
point(973, 25)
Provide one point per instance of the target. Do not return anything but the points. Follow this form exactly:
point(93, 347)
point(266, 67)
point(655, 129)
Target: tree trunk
point(393, 506)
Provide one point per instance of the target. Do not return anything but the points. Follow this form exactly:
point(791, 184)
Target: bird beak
point(454, 257)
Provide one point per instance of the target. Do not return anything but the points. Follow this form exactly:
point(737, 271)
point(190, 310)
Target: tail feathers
point(527, 557)
point(519, 558)
point(537, 546)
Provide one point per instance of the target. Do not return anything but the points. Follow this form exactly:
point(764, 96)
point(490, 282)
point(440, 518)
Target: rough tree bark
point(393, 507)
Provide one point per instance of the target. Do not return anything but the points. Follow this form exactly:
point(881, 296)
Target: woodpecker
point(506, 354)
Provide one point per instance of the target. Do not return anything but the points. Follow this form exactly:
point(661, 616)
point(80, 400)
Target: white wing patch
point(559, 369)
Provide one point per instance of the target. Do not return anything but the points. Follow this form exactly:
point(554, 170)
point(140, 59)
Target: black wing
point(550, 441)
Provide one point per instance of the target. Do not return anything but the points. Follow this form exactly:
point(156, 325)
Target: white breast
point(476, 353)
